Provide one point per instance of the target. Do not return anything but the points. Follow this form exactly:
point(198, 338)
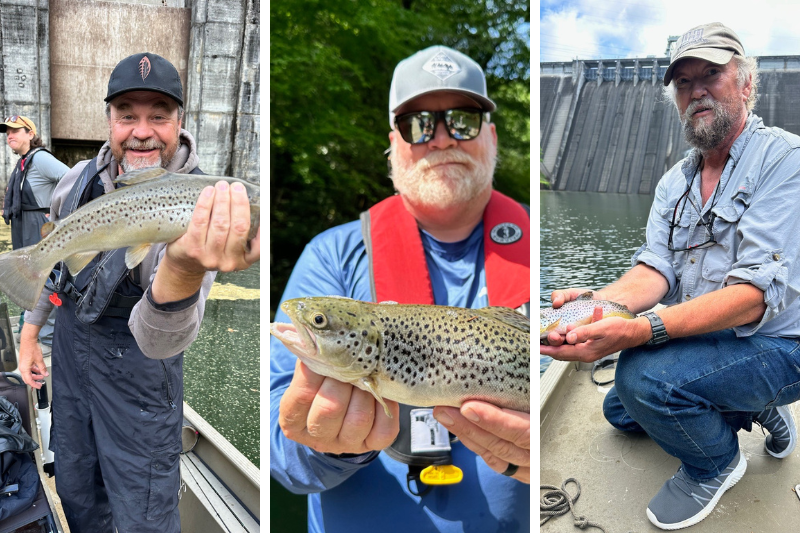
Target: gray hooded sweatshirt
point(159, 333)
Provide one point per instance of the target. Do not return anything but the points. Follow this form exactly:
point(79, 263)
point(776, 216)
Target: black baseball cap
point(145, 72)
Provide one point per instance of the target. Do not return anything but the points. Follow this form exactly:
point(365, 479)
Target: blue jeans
point(692, 395)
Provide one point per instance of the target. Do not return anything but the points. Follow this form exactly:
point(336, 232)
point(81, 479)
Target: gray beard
point(707, 137)
point(136, 163)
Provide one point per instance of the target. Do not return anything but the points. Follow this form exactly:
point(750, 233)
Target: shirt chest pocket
point(721, 256)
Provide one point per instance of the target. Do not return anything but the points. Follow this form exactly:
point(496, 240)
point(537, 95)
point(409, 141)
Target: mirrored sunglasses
point(419, 127)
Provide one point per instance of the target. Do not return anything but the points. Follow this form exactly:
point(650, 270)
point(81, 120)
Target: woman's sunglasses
point(419, 127)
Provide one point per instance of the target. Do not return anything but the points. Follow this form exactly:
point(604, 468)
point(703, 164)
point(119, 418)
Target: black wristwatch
point(659, 331)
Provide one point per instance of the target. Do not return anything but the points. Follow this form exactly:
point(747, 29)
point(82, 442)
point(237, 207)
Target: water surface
point(587, 240)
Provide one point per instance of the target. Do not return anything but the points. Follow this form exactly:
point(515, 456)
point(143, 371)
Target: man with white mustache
point(446, 238)
point(721, 253)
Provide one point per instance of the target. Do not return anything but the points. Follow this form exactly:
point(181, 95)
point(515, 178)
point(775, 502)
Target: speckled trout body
point(422, 355)
point(156, 206)
point(578, 313)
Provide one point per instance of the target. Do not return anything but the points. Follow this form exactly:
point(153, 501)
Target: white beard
point(443, 186)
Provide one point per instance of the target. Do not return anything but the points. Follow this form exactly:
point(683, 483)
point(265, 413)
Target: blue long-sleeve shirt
point(753, 222)
point(369, 492)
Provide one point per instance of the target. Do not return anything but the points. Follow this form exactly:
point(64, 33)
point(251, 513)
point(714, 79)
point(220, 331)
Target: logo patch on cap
point(506, 233)
point(144, 67)
point(691, 37)
point(442, 66)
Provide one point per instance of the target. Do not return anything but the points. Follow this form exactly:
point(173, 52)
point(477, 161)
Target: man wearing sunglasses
point(721, 253)
point(446, 238)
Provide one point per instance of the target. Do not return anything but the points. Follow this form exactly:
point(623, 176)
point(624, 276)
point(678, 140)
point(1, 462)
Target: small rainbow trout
point(578, 313)
point(156, 206)
point(422, 355)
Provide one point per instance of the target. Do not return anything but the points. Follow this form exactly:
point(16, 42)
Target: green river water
point(587, 240)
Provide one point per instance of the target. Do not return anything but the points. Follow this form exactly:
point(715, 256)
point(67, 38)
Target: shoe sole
point(733, 478)
point(786, 414)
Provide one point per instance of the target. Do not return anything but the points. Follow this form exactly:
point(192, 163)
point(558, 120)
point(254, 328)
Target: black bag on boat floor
point(18, 476)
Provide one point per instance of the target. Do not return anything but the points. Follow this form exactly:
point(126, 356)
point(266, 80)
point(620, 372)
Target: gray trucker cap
point(435, 69)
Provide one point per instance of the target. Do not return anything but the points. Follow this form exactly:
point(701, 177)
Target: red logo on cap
point(144, 67)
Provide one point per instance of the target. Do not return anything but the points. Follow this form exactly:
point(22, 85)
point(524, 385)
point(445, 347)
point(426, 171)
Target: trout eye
point(319, 320)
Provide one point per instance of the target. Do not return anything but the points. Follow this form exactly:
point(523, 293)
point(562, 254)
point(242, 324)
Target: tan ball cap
point(713, 42)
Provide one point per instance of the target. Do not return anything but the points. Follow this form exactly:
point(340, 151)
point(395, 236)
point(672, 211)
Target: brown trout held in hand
point(578, 313)
point(422, 355)
point(156, 206)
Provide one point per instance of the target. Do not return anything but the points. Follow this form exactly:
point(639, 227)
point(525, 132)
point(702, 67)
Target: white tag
point(427, 434)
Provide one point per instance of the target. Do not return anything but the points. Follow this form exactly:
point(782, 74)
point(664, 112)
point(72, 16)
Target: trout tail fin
point(21, 278)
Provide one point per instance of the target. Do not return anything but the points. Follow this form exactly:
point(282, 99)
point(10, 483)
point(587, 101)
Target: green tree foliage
point(331, 65)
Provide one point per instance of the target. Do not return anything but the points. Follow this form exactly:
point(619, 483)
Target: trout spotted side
point(422, 355)
point(578, 313)
point(156, 206)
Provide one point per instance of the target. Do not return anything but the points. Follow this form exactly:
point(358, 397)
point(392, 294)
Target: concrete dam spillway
point(605, 126)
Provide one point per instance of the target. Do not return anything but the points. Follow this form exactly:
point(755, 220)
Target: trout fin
point(551, 327)
point(136, 254)
point(77, 262)
point(47, 229)
point(588, 295)
point(508, 316)
point(369, 385)
point(139, 176)
point(21, 278)
point(255, 222)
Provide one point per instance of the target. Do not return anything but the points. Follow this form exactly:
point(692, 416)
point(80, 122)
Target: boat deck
point(619, 472)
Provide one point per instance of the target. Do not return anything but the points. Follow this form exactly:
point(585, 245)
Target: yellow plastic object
point(441, 475)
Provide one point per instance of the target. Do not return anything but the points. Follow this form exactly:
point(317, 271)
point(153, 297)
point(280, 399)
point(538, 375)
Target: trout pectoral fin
point(369, 385)
point(135, 254)
point(47, 229)
point(77, 262)
point(138, 176)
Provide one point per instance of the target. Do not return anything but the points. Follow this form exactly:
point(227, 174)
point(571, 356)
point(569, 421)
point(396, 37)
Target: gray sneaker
point(683, 502)
point(782, 436)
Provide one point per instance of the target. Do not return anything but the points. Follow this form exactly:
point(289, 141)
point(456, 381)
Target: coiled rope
point(556, 502)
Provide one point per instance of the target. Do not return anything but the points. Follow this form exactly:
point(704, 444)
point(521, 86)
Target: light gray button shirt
point(756, 227)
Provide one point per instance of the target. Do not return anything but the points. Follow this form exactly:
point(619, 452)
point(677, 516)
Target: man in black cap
point(120, 334)
point(720, 253)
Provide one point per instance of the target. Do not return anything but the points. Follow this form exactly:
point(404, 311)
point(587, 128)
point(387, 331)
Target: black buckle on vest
point(414, 475)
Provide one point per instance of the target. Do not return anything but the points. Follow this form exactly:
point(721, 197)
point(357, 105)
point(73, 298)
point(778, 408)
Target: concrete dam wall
point(605, 127)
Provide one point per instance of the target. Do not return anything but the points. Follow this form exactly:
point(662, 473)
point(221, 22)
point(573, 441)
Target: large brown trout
point(156, 206)
point(422, 355)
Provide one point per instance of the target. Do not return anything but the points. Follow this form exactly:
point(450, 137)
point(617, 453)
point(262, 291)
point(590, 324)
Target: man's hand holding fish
point(597, 340)
point(599, 323)
point(502, 437)
point(216, 239)
point(335, 417)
